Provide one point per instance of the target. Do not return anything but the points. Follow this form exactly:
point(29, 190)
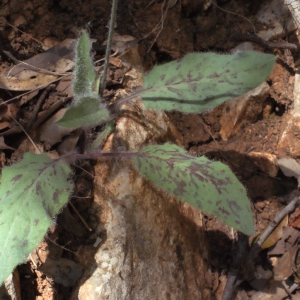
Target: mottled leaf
point(84, 74)
point(201, 81)
point(86, 112)
point(31, 193)
point(207, 185)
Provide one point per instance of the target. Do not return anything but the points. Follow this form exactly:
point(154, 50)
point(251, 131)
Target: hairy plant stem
point(108, 45)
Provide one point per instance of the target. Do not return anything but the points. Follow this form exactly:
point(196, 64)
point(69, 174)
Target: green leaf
point(86, 112)
point(201, 81)
point(109, 127)
point(31, 193)
point(84, 74)
point(207, 185)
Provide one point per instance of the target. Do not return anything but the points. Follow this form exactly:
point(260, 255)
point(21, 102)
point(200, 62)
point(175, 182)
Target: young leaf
point(84, 74)
point(201, 81)
point(86, 112)
point(109, 127)
point(31, 193)
point(207, 185)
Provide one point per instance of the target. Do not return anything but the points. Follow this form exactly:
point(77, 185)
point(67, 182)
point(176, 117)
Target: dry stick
point(14, 27)
point(233, 13)
point(161, 23)
point(19, 62)
point(231, 284)
point(80, 217)
point(108, 46)
point(234, 269)
point(61, 246)
point(30, 139)
point(240, 37)
point(38, 88)
point(46, 114)
point(38, 106)
point(286, 210)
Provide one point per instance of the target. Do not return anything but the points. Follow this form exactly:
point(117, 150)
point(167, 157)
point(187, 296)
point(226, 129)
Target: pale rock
point(277, 18)
point(265, 161)
point(154, 246)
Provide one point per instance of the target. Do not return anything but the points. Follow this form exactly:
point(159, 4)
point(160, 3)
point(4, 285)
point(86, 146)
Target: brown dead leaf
point(28, 97)
point(3, 145)
point(4, 125)
point(41, 69)
point(69, 144)
point(3, 109)
point(65, 86)
point(51, 133)
point(289, 238)
point(273, 237)
point(285, 265)
point(296, 218)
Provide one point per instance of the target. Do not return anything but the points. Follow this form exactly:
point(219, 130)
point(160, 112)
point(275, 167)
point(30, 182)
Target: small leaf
point(109, 127)
point(31, 193)
point(86, 112)
point(207, 185)
point(201, 81)
point(84, 74)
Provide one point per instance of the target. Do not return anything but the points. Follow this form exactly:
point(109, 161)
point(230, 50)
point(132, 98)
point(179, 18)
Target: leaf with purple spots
point(31, 193)
point(208, 185)
point(201, 81)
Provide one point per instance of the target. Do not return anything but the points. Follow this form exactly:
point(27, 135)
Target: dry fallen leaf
point(285, 265)
point(50, 132)
point(289, 238)
point(273, 237)
point(3, 145)
point(41, 69)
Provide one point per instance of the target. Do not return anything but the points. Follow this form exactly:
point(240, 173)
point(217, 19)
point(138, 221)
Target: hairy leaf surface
point(31, 193)
point(84, 74)
point(87, 112)
point(201, 81)
point(109, 127)
point(207, 185)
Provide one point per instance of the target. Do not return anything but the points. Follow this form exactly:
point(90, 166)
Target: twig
point(14, 27)
point(108, 46)
point(30, 139)
point(80, 217)
point(161, 24)
point(34, 263)
point(19, 62)
point(233, 13)
point(38, 106)
point(232, 284)
point(239, 255)
point(239, 37)
point(38, 88)
point(61, 246)
point(278, 218)
point(45, 114)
